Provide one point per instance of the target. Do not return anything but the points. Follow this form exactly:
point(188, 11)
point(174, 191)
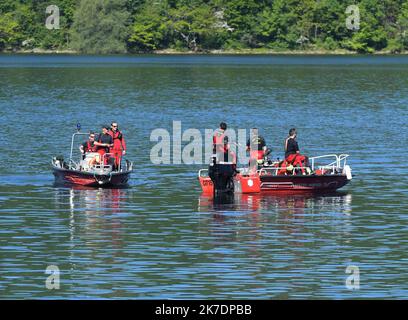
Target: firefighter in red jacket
point(221, 146)
point(218, 139)
point(119, 145)
point(89, 146)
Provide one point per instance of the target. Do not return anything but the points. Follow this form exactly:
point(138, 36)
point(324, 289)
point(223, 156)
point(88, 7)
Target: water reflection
point(294, 219)
point(295, 204)
point(95, 215)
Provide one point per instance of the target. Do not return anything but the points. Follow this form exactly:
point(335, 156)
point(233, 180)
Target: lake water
point(160, 238)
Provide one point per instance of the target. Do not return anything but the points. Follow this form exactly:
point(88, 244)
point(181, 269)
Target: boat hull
point(303, 183)
point(285, 184)
point(73, 177)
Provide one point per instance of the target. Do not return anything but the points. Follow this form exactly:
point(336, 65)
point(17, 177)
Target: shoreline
point(254, 52)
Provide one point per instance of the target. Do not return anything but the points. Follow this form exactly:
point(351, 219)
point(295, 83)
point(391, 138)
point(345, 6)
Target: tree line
point(120, 26)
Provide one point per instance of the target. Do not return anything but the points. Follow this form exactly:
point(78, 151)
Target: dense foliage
point(114, 26)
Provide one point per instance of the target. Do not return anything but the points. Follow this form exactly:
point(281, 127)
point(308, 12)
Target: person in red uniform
point(219, 139)
point(292, 153)
point(104, 143)
point(119, 145)
point(221, 146)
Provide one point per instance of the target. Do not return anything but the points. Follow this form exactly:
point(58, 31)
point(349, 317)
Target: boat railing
point(72, 143)
point(339, 160)
point(240, 170)
point(338, 164)
point(72, 165)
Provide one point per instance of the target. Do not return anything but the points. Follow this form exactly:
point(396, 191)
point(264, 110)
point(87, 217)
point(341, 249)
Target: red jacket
point(119, 143)
point(219, 144)
point(90, 148)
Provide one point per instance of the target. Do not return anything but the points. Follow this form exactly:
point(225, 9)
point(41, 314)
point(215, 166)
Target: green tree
point(134, 6)
point(100, 26)
point(9, 33)
point(197, 27)
point(400, 40)
point(241, 16)
point(372, 35)
point(149, 29)
point(113, 26)
point(330, 26)
point(277, 25)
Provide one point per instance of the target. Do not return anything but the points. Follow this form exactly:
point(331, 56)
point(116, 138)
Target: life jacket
point(116, 135)
point(90, 148)
point(118, 141)
point(297, 159)
point(257, 154)
point(256, 146)
point(220, 141)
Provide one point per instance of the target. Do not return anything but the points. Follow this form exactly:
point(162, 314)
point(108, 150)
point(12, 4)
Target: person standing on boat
point(218, 138)
point(256, 145)
point(119, 144)
point(292, 152)
point(220, 144)
point(104, 143)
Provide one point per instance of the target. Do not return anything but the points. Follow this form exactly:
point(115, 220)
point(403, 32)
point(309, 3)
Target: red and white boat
point(332, 175)
point(81, 173)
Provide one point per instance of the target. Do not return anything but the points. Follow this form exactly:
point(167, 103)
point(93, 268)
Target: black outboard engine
point(222, 176)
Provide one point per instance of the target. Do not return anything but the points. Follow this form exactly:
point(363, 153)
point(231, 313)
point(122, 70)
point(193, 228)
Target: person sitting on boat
point(256, 146)
point(89, 145)
point(104, 143)
point(292, 152)
point(119, 144)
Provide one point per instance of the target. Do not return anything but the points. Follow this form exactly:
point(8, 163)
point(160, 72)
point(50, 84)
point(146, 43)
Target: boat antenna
point(78, 127)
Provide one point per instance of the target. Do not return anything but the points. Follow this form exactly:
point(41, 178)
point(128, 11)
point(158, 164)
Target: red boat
point(269, 177)
point(84, 173)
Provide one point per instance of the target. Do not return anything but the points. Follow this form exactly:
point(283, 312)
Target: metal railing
point(72, 142)
point(102, 165)
point(241, 170)
point(339, 163)
point(74, 165)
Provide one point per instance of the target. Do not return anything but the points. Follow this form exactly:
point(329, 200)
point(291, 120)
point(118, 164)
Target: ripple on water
point(160, 238)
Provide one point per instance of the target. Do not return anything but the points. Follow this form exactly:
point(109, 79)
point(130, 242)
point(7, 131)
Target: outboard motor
point(222, 176)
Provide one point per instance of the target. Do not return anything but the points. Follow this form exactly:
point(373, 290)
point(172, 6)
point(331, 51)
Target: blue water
point(160, 238)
